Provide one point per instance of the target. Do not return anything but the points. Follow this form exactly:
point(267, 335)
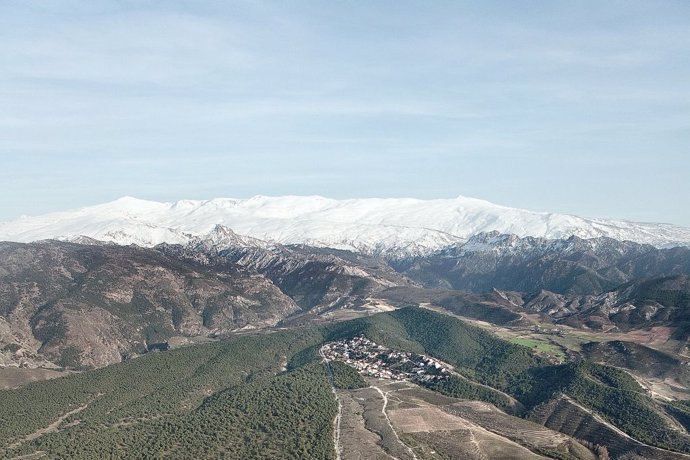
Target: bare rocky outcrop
point(315, 278)
point(92, 305)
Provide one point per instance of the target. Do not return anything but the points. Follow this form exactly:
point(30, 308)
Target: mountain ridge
point(568, 266)
point(393, 227)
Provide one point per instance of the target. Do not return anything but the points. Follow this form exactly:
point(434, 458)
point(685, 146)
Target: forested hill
point(205, 401)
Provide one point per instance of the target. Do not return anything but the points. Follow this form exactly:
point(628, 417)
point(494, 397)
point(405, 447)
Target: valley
point(226, 337)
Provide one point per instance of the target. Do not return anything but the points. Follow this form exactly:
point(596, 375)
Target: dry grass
point(420, 421)
point(356, 441)
point(426, 418)
point(13, 377)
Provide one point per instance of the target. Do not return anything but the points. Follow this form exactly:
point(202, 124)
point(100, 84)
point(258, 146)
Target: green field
point(541, 346)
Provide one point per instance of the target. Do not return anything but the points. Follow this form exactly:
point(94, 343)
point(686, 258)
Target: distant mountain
point(315, 278)
point(566, 266)
point(393, 228)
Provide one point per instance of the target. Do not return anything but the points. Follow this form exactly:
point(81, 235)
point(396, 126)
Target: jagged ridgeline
point(268, 396)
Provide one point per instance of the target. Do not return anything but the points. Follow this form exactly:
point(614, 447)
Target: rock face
point(316, 278)
point(91, 305)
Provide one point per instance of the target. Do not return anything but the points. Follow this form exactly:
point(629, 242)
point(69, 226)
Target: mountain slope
point(641, 303)
point(640, 359)
point(93, 304)
point(310, 276)
point(201, 401)
point(395, 227)
point(79, 305)
point(567, 266)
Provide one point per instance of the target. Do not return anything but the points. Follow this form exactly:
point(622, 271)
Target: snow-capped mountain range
point(401, 226)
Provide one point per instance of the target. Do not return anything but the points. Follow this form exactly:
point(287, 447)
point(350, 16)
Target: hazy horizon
point(556, 107)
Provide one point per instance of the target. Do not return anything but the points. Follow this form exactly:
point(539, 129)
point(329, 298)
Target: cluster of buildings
point(375, 360)
point(546, 330)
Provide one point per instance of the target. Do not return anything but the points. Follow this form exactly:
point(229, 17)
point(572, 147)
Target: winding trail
point(52, 428)
point(383, 411)
point(336, 422)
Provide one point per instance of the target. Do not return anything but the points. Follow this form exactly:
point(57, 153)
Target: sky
point(572, 107)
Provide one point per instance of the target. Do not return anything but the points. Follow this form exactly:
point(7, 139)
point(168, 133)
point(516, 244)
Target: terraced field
point(524, 432)
point(394, 419)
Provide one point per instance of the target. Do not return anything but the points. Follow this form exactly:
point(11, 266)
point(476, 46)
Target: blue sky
point(574, 107)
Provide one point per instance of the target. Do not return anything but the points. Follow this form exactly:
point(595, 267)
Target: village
point(375, 360)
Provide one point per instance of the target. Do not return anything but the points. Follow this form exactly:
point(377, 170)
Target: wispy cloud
point(334, 98)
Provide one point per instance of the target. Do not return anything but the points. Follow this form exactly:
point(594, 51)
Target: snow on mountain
point(402, 226)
